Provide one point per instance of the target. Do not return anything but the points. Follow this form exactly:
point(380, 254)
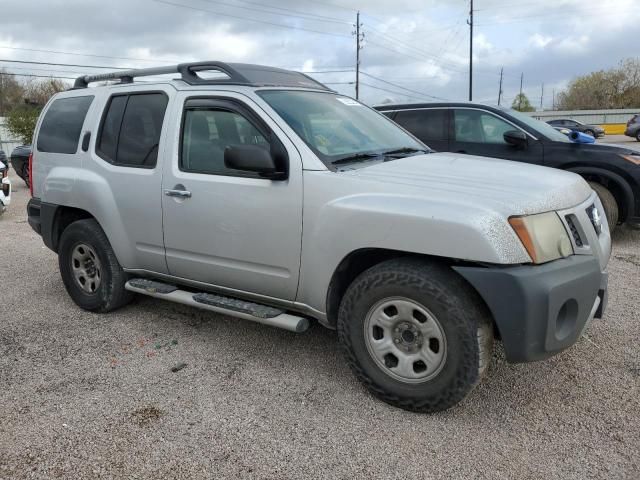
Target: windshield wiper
point(357, 156)
point(399, 151)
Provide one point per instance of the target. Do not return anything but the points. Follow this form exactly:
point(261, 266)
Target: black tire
point(590, 132)
point(110, 294)
point(609, 204)
point(638, 136)
point(464, 319)
point(24, 174)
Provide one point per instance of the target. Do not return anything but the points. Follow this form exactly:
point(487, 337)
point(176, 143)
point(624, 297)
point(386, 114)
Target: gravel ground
point(94, 396)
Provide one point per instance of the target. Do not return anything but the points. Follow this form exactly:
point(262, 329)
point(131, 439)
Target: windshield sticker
point(348, 101)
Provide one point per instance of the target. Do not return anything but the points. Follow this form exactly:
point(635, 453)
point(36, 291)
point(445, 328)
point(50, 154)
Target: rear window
point(427, 125)
point(62, 124)
point(130, 131)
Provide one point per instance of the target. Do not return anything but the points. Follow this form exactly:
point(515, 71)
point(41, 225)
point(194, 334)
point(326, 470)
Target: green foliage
point(522, 103)
point(615, 88)
point(21, 122)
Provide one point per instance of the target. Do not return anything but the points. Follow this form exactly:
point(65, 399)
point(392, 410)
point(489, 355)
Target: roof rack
point(231, 74)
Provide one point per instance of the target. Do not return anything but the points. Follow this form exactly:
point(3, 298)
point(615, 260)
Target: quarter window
point(207, 132)
point(62, 125)
point(130, 132)
point(480, 127)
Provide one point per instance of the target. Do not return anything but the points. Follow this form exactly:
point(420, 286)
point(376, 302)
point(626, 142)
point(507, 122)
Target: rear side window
point(130, 130)
point(62, 124)
point(427, 125)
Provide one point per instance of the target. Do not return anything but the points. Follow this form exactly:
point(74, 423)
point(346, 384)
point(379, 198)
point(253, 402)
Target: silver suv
point(260, 193)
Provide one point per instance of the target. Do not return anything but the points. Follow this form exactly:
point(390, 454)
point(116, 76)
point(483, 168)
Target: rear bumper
point(631, 132)
point(541, 310)
point(5, 193)
point(33, 215)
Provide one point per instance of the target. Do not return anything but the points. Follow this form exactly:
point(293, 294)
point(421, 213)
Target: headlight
point(543, 236)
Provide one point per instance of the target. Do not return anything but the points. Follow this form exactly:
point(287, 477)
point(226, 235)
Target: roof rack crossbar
point(233, 73)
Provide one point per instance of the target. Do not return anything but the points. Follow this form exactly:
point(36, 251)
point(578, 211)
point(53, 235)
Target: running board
point(234, 307)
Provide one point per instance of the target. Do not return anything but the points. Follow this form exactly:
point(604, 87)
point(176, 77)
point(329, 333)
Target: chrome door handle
point(178, 193)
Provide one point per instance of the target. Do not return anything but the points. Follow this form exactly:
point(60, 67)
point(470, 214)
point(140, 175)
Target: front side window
point(478, 126)
point(338, 128)
point(207, 132)
point(62, 125)
point(130, 131)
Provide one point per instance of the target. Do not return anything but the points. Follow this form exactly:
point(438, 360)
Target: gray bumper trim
point(540, 310)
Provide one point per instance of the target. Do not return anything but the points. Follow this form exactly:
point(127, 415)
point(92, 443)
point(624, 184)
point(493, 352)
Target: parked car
point(596, 131)
point(3, 158)
point(20, 162)
point(5, 187)
point(633, 127)
point(476, 129)
point(283, 201)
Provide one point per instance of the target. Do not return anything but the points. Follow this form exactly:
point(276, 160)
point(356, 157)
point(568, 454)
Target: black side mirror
point(516, 138)
point(252, 158)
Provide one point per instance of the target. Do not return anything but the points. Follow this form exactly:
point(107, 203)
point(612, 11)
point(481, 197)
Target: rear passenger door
point(430, 125)
point(122, 184)
point(480, 132)
point(231, 229)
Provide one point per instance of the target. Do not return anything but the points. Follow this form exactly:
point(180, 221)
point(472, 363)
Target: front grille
point(574, 231)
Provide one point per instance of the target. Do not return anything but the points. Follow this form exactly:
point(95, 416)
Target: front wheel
point(609, 204)
point(89, 268)
point(591, 133)
point(415, 334)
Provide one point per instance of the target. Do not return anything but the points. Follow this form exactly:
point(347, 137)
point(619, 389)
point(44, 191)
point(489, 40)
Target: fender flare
point(619, 181)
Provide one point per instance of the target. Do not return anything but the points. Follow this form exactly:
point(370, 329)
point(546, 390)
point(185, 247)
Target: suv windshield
point(339, 129)
point(538, 125)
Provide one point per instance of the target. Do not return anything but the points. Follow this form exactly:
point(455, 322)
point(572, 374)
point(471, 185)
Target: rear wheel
point(415, 334)
point(609, 204)
point(638, 136)
point(25, 174)
point(89, 268)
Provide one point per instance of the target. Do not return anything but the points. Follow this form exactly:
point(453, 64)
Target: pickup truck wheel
point(89, 268)
point(608, 203)
point(415, 334)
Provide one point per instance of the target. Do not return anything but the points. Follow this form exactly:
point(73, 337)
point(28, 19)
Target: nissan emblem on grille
point(596, 219)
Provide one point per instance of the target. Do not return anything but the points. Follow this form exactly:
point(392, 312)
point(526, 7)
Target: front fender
point(450, 229)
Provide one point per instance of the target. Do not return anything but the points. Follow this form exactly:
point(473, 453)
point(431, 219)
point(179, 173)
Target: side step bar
point(234, 307)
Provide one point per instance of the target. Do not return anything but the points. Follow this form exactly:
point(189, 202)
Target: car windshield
point(539, 126)
point(339, 129)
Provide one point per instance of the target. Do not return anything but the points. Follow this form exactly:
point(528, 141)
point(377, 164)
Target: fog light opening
point(566, 319)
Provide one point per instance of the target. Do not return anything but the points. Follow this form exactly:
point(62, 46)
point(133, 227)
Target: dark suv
point(633, 127)
point(595, 131)
point(476, 129)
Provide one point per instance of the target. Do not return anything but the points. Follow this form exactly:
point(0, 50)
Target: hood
point(512, 188)
point(618, 149)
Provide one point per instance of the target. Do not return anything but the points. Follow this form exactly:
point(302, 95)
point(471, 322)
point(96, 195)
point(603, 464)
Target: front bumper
point(541, 310)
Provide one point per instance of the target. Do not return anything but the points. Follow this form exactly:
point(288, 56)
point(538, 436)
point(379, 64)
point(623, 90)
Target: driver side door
point(481, 132)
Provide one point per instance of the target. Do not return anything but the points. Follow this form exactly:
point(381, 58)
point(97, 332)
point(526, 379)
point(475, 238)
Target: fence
point(614, 122)
point(7, 142)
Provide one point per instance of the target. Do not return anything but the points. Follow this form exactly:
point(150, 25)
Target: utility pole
point(500, 88)
point(359, 39)
point(520, 96)
point(554, 99)
point(470, 22)
point(542, 97)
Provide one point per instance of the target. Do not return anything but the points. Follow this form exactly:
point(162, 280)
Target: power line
point(400, 86)
point(31, 75)
point(390, 91)
point(63, 64)
point(86, 54)
point(251, 19)
point(296, 14)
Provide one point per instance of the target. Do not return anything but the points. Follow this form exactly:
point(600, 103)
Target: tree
point(21, 122)
point(24, 112)
point(614, 88)
point(11, 93)
point(522, 103)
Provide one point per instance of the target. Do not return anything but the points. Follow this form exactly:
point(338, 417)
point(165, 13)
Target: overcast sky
point(419, 45)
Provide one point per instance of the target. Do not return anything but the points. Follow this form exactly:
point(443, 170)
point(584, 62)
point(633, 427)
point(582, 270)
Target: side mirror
point(251, 158)
point(516, 138)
